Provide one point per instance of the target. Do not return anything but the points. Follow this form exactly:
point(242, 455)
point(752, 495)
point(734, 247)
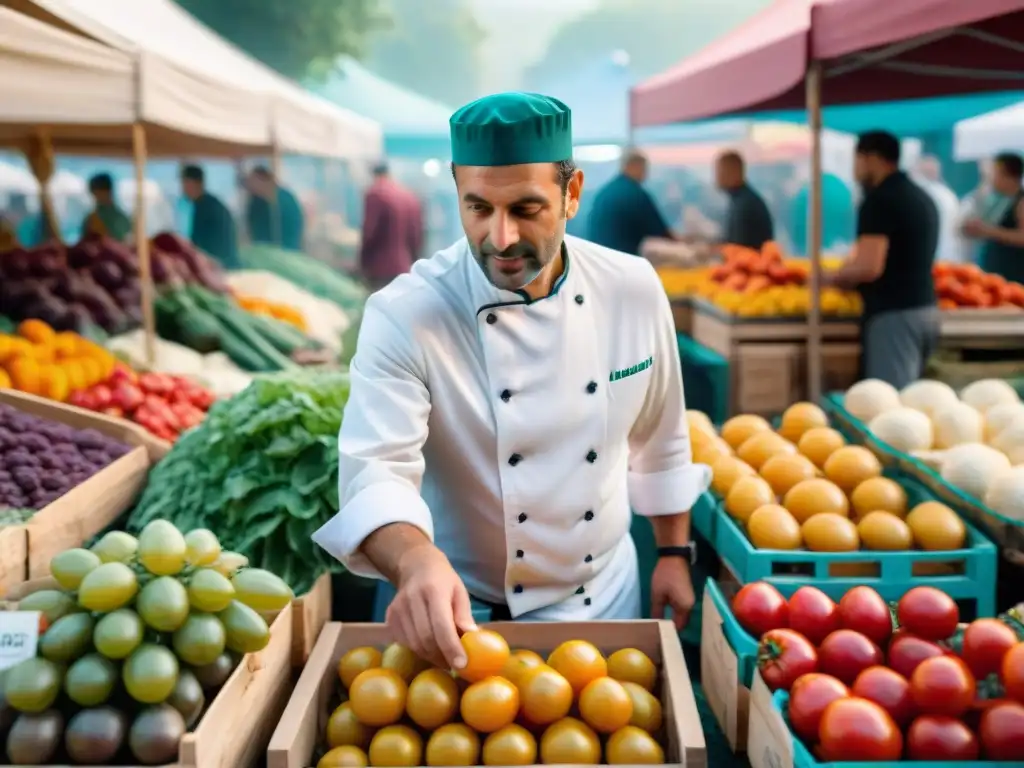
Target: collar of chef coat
point(486, 295)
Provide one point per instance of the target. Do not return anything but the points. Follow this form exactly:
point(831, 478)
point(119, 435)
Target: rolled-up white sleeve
point(663, 480)
point(380, 447)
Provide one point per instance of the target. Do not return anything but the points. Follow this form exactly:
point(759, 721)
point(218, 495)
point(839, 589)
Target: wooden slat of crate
point(715, 331)
point(981, 328)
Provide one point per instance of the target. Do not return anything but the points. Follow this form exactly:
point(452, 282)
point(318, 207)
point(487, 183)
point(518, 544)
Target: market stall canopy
point(413, 125)
point(873, 50)
point(17, 180)
point(985, 135)
point(193, 78)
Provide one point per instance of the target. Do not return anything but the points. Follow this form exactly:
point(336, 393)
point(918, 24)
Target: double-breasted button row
point(514, 459)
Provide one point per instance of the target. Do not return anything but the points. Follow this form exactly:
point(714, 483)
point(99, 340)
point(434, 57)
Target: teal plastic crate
point(742, 643)
point(705, 378)
point(973, 586)
point(802, 757)
point(1005, 531)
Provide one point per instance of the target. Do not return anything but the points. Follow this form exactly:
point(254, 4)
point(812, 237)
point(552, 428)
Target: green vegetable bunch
point(307, 273)
point(261, 471)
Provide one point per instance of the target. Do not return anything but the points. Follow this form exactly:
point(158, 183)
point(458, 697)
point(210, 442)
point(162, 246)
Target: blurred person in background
point(999, 223)
point(106, 219)
point(392, 230)
point(624, 214)
point(213, 226)
point(273, 213)
point(748, 221)
point(929, 176)
point(891, 265)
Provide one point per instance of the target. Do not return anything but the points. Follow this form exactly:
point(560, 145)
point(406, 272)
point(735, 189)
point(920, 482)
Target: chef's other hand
point(671, 587)
point(431, 608)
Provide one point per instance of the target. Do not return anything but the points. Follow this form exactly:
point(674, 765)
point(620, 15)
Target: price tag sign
point(19, 636)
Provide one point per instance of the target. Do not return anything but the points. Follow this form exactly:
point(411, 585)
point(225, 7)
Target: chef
point(512, 398)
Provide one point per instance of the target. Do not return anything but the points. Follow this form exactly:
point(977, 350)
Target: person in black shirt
point(624, 214)
point(891, 265)
point(748, 221)
point(1000, 224)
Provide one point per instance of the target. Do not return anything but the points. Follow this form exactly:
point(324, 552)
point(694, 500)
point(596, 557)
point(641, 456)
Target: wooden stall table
point(979, 344)
point(767, 356)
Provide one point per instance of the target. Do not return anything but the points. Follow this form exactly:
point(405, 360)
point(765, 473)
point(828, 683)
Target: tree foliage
point(431, 48)
point(291, 35)
point(654, 33)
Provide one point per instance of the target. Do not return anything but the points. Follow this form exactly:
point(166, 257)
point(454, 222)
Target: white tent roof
point(14, 179)
point(985, 135)
point(84, 94)
point(176, 50)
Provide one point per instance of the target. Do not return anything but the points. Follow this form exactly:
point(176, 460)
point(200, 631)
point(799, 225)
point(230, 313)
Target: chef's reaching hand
point(431, 608)
point(671, 587)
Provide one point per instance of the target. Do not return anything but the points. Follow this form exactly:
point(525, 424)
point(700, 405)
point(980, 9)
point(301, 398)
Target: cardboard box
point(769, 740)
point(236, 726)
point(301, 728)
point(77, 516)
point(727, 696)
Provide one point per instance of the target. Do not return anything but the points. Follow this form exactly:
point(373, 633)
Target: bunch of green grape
point(138, 634)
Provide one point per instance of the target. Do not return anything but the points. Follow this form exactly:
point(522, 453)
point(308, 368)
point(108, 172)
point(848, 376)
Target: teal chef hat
point(512, 129)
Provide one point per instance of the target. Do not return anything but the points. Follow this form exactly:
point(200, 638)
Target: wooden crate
point(300, 730)
point(981, 328)
point(77, 516)
point(310, 613)
point(767, 358)
point(236, 726)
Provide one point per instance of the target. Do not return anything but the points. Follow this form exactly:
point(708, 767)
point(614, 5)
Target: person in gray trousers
point(891, 265)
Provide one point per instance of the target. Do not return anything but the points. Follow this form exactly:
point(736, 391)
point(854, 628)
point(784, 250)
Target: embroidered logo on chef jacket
point(632, 370)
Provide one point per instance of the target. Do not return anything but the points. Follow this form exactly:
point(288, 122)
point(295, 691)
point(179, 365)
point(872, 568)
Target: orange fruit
point(343, 757)
point(396, 745)
point(544, 695)
point(579, 662)
point(605, 706)
point(512, 745)
point(819, 443)
point(882, 531)
point(936, 527)
point(786, 470)
point(345, 730)
point(850, 466)
point(633, 746)
point(490, 704)
point(726, 471)
point(748, 494)
point(355, 661)
point(519, 663)
point(879, 494)
point(378, 696)
point(453, 744)
point(646, 708)
point(812, 497)
point(774, 527)
point(707, 449)
point(486, 655)
point(799, 418)
point(828, 532)
point(762, 446)
point(739, 429)
point(629, 665)
point(570, 741)
point(433, 699)
point(403, 661)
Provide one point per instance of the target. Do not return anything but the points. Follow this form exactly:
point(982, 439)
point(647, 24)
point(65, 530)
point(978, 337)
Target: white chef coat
point(518, 433)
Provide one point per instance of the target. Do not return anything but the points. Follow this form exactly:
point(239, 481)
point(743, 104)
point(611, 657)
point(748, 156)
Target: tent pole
point(139, 154)
point(814, 362)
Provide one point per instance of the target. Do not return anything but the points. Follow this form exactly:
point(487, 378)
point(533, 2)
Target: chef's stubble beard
point(535, 262)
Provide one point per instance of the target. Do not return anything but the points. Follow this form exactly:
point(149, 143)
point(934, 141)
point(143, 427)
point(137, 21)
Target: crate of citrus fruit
point(531, 693)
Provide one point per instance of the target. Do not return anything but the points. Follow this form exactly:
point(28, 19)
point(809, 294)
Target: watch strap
point(687, 552)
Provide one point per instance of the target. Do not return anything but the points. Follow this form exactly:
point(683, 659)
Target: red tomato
point(907, 651)
point(845, 654)
point(813, 614)
point(1013, 673)
point(986, 642)
point(928, 613)
point(759, 608)
point(863, 610)
point(102, 396)
point(943, 685)
point(1002, 731)
point(889, 690)
point(808, 698)
point(785, 655)
point(855, 730)
point(938, 739)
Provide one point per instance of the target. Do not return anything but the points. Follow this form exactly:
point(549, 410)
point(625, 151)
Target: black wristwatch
point(687, 552)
